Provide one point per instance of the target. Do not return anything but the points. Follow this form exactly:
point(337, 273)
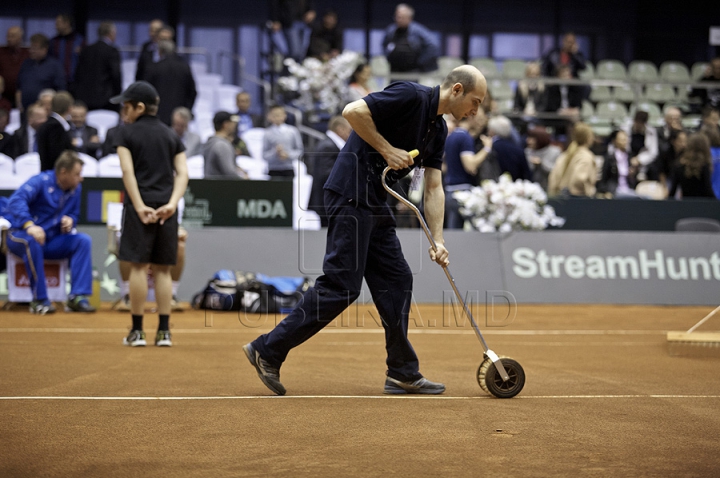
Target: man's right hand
point(147, 214)
point(37, 233)
point(398, 159)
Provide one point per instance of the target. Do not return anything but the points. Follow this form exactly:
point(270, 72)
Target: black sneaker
point(79, 303)
point(163, 338)
point(136, 338)
point(269, 375)
point(421, 386)
point(42, 307)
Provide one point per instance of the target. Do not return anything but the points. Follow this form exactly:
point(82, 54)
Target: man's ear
point(457, 88)
point(141, 107)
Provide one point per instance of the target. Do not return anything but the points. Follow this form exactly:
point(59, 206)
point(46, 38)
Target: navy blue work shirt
point(406, 115)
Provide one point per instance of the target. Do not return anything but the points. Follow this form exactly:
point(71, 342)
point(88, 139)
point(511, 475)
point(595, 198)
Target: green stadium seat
point(698, 70)
point(674, 71)
point(501, 89)
point(642, 70)
point(611, 70)
point(487, 67)
point(625, 93)
point(514, 69)
point(659, 93)
point(588, 110)
point(588, 73)
point(612, 111)
point(448, 63)
point(600, 93)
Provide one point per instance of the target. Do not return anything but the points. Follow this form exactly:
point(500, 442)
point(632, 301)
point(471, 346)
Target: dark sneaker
point(163, 338)
point(79, 303)
point(269, 375)
point(421, 386)
point(123, 304)
point(42, 307)
point(136, 338)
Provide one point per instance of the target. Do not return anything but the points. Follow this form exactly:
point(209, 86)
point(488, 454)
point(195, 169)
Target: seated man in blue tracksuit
point(43, 213)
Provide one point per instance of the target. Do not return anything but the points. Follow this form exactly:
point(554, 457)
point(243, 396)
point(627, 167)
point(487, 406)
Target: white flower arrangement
point(506, 206)
point(321, 85)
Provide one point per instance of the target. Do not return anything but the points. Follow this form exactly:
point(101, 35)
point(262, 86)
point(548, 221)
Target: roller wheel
point(490, 380)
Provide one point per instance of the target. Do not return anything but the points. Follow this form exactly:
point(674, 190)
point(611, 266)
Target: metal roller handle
point(489, 353)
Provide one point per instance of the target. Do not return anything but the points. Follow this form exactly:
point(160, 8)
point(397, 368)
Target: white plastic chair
point(7, 165)
point(90, 165)
point(13, 121)
point(257, 169)
point(196, 166)
point(10, 181)
point(254, 140)
point(27, 165)
point(103, 120)
point(128, 68)
point(109, 167)
point(225, 97)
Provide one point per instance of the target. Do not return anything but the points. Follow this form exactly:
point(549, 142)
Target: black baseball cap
point(140, 91)
point(223, 116)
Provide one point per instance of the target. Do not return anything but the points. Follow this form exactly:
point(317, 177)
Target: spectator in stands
point(12, 56)
point(541, 154)
point(618, 177)
point(530, 95)
point(219, 152)
point(282, 144)
point(173, 79)
point(510, 156)
point(25, 137)
point(7, 142)
point(568, 54)
point(4, 103)
point(181, 118)
point(38, 72)
point(709, 96)
point(293, 19)
point(326, 39)
point(709, 125)
point(53, 137)
point(45, 99)
point(692, 173)
point(643, 147)
point(672, 121)
point(148, 49)
point(564, 99)
point(98, 77)
point(661, 169)
point(85, 138)
point(44, 213)
point(462, 167)
point(359, 83)
point(66, 46)
point(575, 173)
point(408, 45)
point(108, 146)
point(246, 120)
point(322, 160)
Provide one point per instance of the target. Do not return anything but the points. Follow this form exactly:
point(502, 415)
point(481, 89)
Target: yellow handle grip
point(413, 153)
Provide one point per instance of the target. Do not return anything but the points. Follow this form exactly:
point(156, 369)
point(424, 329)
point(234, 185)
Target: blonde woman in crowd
point(575, 172)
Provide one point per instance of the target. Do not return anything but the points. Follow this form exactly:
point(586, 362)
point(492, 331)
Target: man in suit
point(38, 73)
point(53, 137)
point(173, 80)
point(98, 77)
point(322, 161)
point(510, 157)
point(25, 137)
point(67, 45)
point(149, 51)
point(6, 139)
point(12, 56)
point(85, 138)
point(181, 117)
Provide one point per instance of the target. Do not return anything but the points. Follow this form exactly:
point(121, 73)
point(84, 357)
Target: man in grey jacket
point(219, 152)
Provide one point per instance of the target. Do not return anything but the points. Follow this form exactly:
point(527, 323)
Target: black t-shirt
point(153, 146)
point(402, 57)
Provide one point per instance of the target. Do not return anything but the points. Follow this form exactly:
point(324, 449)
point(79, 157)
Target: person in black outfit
point(155, 177)
point(361, 239)
point(148, 51)
point(98, 77)
point(7, 143)
point(293, 18)
point(53, 137)
point(85, 138)
point(321, 161)
point(173, 79)
point(326, 39)
point(692, 173)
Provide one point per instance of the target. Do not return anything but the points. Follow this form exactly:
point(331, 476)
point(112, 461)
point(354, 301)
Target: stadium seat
point(487, 66)
point(659, 93)
point(196, 166)
point(13, 121)
point(380, 66)
point(128, 68)
point(642, 70)
point(505, 105)
point(198, 67)
point(514, 69)
point(588, 73)
point(225, 97)
point(600, 93)
point(501, 89)
point(7, 165)
point(674, 71)
point(27, 165)
point(102, 120)
point(90, 165)
point(9, 181)
point(698, 70)
point(625, 93)
point(109, 167)
point(611, 70)
point(612, 111)
point(655, 116)
point(254, 140)
point(588, 110)
point(447, 63)
point(256, 168)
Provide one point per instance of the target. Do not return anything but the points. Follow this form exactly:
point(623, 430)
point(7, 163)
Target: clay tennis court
point(602, 398)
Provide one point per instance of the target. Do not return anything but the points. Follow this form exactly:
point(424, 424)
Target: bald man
point(361, 238)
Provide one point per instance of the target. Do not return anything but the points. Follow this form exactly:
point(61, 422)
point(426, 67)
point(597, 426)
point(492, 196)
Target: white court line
point(359, 397)
point(211, 330)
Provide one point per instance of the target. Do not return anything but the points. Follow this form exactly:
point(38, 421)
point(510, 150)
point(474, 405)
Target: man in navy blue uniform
point(44, 212)
point(361, 238)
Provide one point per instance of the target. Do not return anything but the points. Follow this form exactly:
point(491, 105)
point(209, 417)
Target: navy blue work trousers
point(361, 243)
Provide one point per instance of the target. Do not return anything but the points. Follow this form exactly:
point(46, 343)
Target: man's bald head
point(468, 76)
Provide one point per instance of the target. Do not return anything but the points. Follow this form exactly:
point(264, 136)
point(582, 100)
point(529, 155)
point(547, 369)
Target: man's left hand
point(442, 256)
point(165, 212)
point(66, 224)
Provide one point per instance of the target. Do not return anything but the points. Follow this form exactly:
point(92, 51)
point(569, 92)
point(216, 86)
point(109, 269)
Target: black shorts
point(148, 243)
